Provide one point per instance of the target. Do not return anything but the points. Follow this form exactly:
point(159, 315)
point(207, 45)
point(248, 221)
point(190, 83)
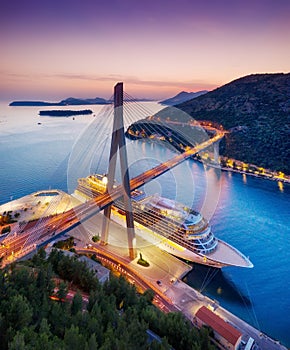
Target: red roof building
point(224, 333)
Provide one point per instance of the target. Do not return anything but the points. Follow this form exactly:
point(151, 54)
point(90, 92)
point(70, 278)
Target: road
point(122, 265)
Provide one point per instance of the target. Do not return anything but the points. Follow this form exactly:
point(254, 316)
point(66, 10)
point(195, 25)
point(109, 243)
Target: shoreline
point(224, 163)
point(242, 172)
point(265, 177)
point(271, 176)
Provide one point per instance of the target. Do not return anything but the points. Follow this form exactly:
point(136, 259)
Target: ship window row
point(152, 217)
point(168, 220)
point(195, 246)
point(161, 226)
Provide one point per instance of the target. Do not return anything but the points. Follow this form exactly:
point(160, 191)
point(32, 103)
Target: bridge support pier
point(118, 143)
point(216, 152)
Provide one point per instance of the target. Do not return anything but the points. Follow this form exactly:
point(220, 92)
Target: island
point(64, 113)
point(71, 101)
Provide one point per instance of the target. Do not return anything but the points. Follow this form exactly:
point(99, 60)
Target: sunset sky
point(59, 48)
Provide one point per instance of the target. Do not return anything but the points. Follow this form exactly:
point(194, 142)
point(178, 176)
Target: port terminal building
point(225, 334)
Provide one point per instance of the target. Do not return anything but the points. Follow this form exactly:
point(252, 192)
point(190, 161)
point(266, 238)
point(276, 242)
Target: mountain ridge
point(182, 97)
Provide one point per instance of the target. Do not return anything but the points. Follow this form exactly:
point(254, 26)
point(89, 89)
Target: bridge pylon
point(118, 145)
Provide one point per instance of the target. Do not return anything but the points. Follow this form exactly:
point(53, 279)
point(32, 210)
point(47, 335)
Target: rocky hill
point(256, 111)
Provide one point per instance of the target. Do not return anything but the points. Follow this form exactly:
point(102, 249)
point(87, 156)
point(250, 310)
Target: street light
point(105, 180)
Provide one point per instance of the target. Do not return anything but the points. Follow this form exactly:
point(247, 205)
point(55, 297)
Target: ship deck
point(229, 255)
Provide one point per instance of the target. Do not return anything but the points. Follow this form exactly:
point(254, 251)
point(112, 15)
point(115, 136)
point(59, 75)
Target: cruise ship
point(173, 227)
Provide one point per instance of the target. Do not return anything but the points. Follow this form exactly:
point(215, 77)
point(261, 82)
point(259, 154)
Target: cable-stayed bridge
point(19, 243)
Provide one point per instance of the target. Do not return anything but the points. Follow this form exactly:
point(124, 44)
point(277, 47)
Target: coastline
point(224, 163)
point(265, 177)
point(237, 166)
point(285, 179)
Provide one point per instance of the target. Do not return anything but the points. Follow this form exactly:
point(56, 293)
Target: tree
point(109, 340)
point(92, 343)
point(18, 342)
point(40, 257)
point(148, 295)
point(44, 327)
point(6, 229)
point(77, 304)
point(73, 340)
point(19, 313)
point(62, 291)
point(96, 238)
point(29, 319)
point(59, 318)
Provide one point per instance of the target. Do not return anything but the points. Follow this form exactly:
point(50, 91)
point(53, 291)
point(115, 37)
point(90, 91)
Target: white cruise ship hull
point(228, 255)
point(222, 255)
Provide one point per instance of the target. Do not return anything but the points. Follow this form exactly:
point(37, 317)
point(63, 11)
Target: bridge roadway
point(19, 244)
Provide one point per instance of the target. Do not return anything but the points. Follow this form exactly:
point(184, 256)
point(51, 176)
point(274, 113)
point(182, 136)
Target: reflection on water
point(280, 186)
point(244, 178)
point(211, 192)
point(216, 283)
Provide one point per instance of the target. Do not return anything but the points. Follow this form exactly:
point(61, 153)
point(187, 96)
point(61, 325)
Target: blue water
point(249, 213)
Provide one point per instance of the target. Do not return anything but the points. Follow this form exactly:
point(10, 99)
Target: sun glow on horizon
point(156, 50)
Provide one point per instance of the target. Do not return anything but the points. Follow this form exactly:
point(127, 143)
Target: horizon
point(60, 98)
point(158, 49)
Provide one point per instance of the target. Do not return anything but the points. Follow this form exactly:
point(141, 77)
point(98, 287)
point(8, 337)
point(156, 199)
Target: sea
point(252, 214)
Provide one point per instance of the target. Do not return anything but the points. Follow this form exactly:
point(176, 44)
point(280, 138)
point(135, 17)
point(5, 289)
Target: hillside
point(71, 101)
point(44, 304)
point(256, 111)
point(182, 97)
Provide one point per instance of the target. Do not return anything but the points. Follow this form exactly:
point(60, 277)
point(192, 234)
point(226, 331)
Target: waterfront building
point(228, 336)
